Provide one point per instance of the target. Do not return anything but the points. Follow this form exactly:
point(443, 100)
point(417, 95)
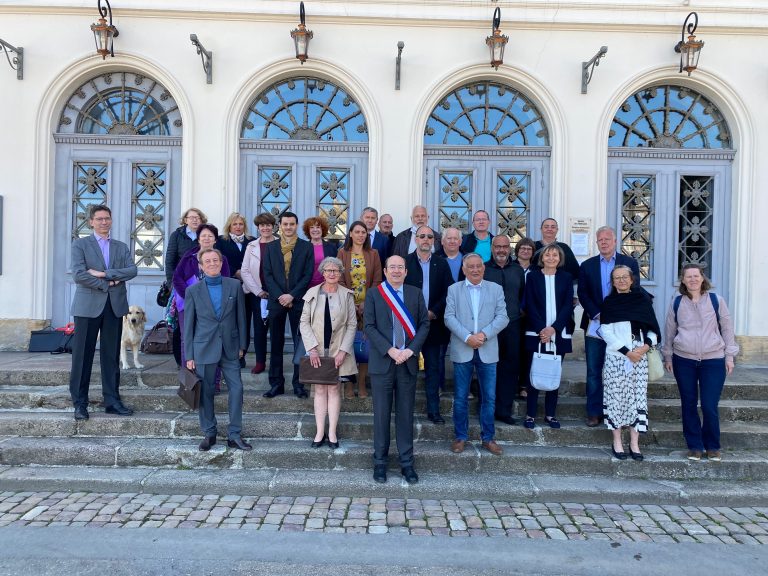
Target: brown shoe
point(458, 446)
point(714, 455)
point(593, 421)
point(694, 455)
point(493, 448)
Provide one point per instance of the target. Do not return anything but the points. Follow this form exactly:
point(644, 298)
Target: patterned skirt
point(625, 395)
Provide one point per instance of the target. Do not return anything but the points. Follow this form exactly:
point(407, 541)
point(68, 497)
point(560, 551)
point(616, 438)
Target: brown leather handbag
point(327, 374)
point(189, 387)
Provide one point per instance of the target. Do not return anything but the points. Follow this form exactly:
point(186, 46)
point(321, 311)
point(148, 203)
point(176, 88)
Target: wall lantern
point(103, 33)
point(691, 49)
point(301, 37)
point(496, 41)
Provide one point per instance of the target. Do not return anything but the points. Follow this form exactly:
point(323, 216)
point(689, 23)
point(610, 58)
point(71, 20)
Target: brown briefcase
point(326, 374)
point(189, 388)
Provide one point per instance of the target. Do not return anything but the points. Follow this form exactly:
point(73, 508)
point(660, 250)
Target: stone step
point(432, 457)
point(358, 483)
point(354, 427)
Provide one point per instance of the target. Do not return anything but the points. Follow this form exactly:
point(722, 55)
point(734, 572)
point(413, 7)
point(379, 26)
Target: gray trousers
point(398, 386)
point(231, 372)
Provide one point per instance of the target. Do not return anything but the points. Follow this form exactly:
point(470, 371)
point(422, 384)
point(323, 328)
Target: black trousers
point(508, 369)
point(398, 386)
point(260, 327)
point(87, 330)
point(277, 332)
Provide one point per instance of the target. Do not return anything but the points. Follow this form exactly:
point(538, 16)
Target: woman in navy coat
point(548, 305)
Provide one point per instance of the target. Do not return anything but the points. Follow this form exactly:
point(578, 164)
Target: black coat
point(511, 278)
point(535, 306)
point(299, 274)
point(178, 245)
point(439, 279)
point(232, 253)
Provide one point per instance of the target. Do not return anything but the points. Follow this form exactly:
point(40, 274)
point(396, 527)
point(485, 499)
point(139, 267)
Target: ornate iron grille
point(305, 109)
point(695, 221)
point(669, 117)
point(275, 189)
point(486, 114)
point(455, 203)
point(512, 204)
point(637, 220)
point(90, 188)
point(333, 200)
point(121, 103)
point(148, 211)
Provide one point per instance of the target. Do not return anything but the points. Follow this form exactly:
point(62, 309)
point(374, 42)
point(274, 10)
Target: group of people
point(421, 292)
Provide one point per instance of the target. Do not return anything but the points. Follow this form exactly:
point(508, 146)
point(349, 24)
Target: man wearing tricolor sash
point(396, 324)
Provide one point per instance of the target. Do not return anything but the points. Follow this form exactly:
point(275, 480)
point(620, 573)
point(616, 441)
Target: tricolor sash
point(398, 308)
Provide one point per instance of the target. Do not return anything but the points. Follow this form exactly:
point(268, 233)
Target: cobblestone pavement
point(566, 521)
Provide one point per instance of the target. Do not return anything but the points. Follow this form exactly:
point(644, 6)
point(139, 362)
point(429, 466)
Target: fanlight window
point(121, 103)
point(486, 114)
point(305, 109)
point(669, 117)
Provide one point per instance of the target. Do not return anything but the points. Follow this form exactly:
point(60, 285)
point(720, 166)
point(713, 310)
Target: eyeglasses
point(422, 236)
point(396, 267)
point(193, 217)
point(107, 219)
point(621, 278)
point(331, 271)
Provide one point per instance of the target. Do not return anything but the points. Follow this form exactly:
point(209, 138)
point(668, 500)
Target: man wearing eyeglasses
point(396, 324)
point(479, 240)
point(431, 274)
point(405, 242)
point(101, 266)
point(594, 286)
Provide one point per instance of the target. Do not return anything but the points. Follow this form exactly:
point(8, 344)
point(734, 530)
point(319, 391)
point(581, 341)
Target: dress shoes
point(239, 443)
point(333, 445)
point(637, 456)
point(410, 475)
point(380, 473)
point(81, 413)
point(507, 420)
point(242, 362)
point(458, 446)
point(493, 448)
point(319, 443)
point(120, 409)
point(206, 444)
point(618, 455)
point(274, 391)
point(435, 418)
point(301, 392)
point(593, 421)
point(258, 368)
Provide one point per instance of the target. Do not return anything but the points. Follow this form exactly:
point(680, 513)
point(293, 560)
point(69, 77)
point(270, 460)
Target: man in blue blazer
point(594, 286)
point(475, 313)
point(379, 241)
point(100, 268)
point(215, 330)
point(393, 363)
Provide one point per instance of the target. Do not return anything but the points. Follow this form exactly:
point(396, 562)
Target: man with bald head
point(405, 242)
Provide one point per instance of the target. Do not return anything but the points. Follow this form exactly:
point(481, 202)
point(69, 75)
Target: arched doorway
point(669, 164)
point(304, 148)
point(486, 146)
point(118, 142)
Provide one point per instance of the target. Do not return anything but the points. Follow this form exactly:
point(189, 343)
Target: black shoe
point(507, 420)
point(274, 391)
point(333, 445)
point(206, 444)
point(435, 418)
point(619, 455)
point(380, 473)
point(638, 456)
point(242, 362)
point(239, 443)
point(81, 413)
point(318, 443)
point(410, 475)
point(301, 393)
point(119, 409)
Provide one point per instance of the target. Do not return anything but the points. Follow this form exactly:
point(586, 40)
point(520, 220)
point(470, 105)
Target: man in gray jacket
point(214, 335)
point(100, 267)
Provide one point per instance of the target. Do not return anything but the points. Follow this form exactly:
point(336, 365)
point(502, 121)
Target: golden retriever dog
point(133, 332)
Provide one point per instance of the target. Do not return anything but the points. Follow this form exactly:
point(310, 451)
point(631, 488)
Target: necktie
point(399, 332)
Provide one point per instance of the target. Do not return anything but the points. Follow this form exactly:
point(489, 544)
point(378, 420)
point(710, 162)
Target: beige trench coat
point(344, 326)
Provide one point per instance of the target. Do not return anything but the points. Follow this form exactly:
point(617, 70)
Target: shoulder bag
point(655, 365)
point(546, 370)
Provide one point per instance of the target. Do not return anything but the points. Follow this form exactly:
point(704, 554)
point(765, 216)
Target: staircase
point(43, 447)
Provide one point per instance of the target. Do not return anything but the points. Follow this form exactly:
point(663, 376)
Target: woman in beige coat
point(328, 324)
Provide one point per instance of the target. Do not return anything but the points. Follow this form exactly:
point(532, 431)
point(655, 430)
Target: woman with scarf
point(629, 328)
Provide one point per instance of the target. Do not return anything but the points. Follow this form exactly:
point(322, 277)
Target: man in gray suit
point(214, 335)
point(475, 313)
point(396, 324)
point(100, 267)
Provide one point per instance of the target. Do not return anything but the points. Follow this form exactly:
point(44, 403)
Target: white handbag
point(655, 365)
point(546, 370)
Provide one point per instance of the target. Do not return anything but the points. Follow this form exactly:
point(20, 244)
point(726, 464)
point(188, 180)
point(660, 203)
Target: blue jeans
point(594, 350)
point(705, 379)
point(462, 376)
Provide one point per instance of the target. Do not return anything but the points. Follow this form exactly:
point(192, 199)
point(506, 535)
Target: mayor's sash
point(398, 308)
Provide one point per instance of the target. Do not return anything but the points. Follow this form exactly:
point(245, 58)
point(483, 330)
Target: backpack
point(712, 298)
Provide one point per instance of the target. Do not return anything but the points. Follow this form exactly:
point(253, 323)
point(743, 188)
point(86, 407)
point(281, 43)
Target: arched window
point(669, 117)
point(305, 109)
point(474, 145)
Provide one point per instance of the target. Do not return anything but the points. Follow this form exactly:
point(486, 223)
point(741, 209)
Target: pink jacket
point(250, 271)
point(696, 335)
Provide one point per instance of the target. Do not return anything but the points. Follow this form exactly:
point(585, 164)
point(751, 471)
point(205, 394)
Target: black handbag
point(55, 341)
point(163, 294)
point(159, 340)
point(189, 388)
point(326, 374)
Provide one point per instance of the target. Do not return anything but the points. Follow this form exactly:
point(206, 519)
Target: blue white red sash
point(398, 308)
